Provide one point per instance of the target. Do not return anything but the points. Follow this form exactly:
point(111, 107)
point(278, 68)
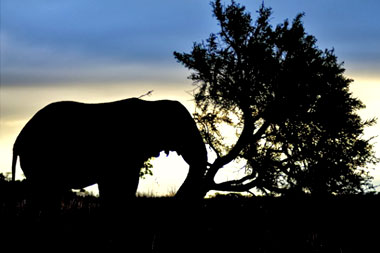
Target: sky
point(96, 51)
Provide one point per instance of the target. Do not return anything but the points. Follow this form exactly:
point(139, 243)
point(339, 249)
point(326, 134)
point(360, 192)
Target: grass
point(153, 194)
point(220, 224)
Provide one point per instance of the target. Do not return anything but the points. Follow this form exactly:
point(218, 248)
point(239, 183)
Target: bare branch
point(208, 137)
point(244, 184)
point(245, 138)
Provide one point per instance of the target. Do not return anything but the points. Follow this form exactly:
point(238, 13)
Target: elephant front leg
point(115, 198)
point(118, 187)
point(118, 202)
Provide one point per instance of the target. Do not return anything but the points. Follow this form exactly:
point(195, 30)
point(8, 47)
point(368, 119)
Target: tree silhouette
point(289, 102)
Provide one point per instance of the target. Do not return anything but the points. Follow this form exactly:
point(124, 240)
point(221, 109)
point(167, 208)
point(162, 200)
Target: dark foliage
point(222, 224)
point(289, 102)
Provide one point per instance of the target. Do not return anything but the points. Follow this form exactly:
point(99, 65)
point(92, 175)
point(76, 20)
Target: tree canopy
point(296, 122)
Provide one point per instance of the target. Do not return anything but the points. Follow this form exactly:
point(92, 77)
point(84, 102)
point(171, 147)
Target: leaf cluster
point(146, 169)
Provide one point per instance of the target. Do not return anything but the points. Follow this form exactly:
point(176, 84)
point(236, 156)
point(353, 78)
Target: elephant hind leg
point(46, 200)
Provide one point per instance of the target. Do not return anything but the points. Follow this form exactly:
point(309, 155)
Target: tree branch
point(208, 138)
point(244, 139)
point(239, 185)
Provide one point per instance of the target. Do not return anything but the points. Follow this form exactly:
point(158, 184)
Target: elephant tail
point(14, 161)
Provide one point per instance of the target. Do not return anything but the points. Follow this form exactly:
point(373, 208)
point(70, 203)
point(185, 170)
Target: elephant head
point(73, 145)
point(179, 134)
point(188, 143)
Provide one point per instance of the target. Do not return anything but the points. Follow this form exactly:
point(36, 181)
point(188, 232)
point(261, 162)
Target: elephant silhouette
point(71, 145)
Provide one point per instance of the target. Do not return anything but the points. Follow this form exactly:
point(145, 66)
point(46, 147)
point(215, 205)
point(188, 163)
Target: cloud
point(94, 41)
point(96, 74)
point(85, 41)
point(24, 64)
point(123, 30)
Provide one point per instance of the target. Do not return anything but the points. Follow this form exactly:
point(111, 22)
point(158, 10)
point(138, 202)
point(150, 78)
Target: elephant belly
point(65, 169)
point(76, 161)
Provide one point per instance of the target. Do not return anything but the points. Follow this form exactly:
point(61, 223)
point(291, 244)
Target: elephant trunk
point(193, 186)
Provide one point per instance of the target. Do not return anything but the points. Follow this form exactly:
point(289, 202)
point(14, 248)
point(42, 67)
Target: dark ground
point(223, 224)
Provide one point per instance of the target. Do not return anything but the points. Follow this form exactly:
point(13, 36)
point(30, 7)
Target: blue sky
point(95, 50)
point(74, 36)
point(43, 42)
